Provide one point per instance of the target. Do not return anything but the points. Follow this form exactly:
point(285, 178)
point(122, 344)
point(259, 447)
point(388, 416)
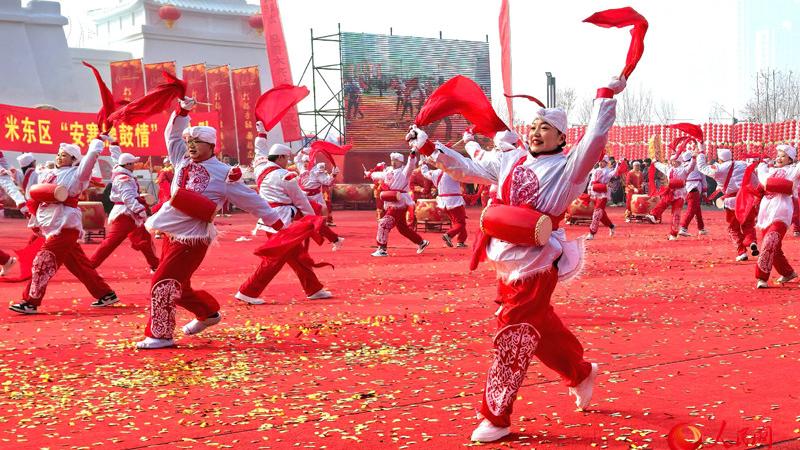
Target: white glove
point(617, 84)
point(188, 103)
point(105, 138)
point(416, 137)
point(468, 137)
point(260, 127)
point(335, 171)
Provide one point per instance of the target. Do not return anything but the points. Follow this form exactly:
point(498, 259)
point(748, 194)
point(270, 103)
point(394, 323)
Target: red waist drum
point(520, 226)
point(677, 183)
point(777, 185)
point(599, 187)
point(194, 205)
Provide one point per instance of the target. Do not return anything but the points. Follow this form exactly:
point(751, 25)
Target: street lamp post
point(551, 90)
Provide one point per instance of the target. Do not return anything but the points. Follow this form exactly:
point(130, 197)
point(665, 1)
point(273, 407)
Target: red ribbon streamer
point(624, 17)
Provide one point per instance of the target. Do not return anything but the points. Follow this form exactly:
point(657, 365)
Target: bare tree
point(664, 112)
point(776, 96)
point(583, 111)
point(567, 100)
point(634, 106)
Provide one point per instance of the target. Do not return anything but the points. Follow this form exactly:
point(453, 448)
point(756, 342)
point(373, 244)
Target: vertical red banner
point(127, 79)
point(505, 56)
point(196, 85)
point(152, 73)
point(246, 90)
point(220, 97)
point(278, 59)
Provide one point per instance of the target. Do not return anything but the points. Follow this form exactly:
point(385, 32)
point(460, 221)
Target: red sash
point(263, 175)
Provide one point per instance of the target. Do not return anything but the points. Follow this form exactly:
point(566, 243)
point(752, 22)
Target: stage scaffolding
point(326, 86)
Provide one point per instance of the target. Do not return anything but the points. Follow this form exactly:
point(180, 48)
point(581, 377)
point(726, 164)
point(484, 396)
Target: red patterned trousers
point(693, 211)
point(599, 215)
point(676, 204)
point(772, 252)
point(298, 260)
point(458, 219)
point(62, 248)
point(395, 217)
point(742, 234)
point(528, 326)
point(171, 285)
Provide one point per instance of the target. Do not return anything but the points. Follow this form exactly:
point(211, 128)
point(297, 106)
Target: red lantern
point(256, 22)
point(169, 14)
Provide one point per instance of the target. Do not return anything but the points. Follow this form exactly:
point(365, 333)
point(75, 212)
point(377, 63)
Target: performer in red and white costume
point(60, 223)
point(201, 185)
point(504, 141)
point(633, 186)
point(598, 191)
point(313, 181)
point(396, 201)
point(695, 191)
point(279, 187)
point(547, 181)
point(674, 193)
point(775, 214)
point(729, 175)
point(128, 214)
point(449, 199)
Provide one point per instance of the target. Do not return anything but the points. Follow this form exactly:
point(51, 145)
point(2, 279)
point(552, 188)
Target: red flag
point(460, 95)
point(161, 98)
point(152, 73)
point(196, 85)
point(505, 55)
point(276, 102)
point(624, 17)
point(127, 79)
point(279, 68)
point(328, 149)
point(221, 97)
point(106, 97)
point(527, 97)
point(246, 91)
point(689, 128)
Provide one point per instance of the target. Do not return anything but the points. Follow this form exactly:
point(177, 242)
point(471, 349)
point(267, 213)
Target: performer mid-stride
point(540, 182)
point(775, 215)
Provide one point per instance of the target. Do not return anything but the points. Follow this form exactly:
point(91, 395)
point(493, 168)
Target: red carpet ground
point(397, 359)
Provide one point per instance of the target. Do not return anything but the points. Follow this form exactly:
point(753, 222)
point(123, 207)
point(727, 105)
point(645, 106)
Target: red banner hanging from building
point(153, 76)
point(41, 130)
point(278, 59)
point(246, 90)
point(127, 79)
point(220, 97)
point(196, 84)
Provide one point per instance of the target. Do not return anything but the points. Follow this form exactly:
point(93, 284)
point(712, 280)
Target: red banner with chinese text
point(246, 90)
point(41, 130)
point(196, 86)
point(127, 79)
point(153, 76)
point(278, 59)
point(221, 99)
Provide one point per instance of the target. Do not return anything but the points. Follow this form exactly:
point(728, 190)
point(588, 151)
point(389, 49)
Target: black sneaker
point(23, 308)
point(106, 300)
point(754, 249)
point(422, 246)
point(447, 240)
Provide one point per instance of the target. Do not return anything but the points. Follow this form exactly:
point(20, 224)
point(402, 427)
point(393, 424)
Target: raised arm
point(411, 163)
point(87, 162)
point(582, 157)
point(661, 167)
point(173, 132)
point(426, 172)
point(705, 168)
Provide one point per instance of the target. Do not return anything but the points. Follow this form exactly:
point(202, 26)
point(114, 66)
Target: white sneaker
point(338, 244)
point(702, 232)
point(380, 252)
point(422, 246)
point(487, 432)
point(627, 220)
point(684, 232)
point(320, 294)
point(742, 257)
point(248, 299)
point(196, 326)
point(150, 343)
point(651, 218)
point(590, 237)
point(611, 231)
point(786, 279)
point(672, 238)
point(7, 266)
point(583, 391)
point(761, 284)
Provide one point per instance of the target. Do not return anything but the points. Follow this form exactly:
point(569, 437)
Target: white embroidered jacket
point(719, 172)
point(209, 178)
point(548, 183)
point(314, 180)
point(448, 190)
point(280, 189)
point(776, 207)
point(676, 173)
point(601, 175)
point(397, 180)
point(51, 218)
